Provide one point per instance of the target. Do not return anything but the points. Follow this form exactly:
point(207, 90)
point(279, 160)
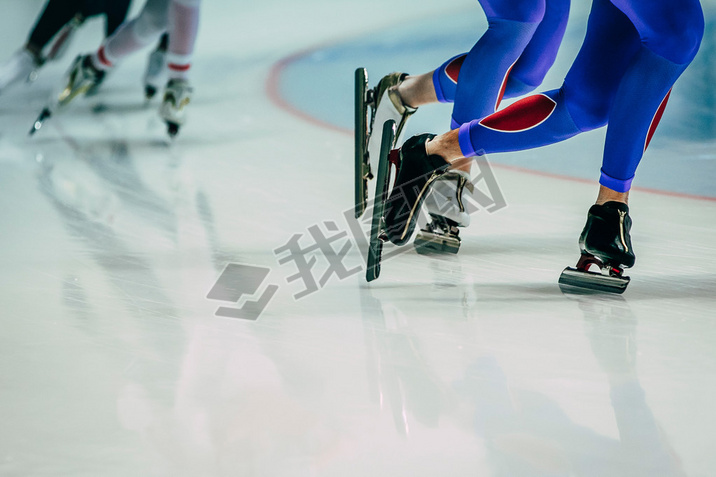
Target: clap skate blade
point(364, 104)
point(70, 93)
point(610, 280)
point(439, 236)
point(377, 229)
point(46, 113)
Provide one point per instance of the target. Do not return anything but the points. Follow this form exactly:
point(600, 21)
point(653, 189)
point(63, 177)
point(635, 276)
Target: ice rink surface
point(199, 308)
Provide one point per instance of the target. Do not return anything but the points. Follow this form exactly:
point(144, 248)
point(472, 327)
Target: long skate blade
point(578, 281)
point(428, 243)
point(362, 166)
point(375, 250)
point(67, 96)
point(46, 113)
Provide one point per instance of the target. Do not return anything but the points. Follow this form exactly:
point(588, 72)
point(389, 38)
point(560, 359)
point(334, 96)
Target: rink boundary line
point(273, 91)
point(681, 195)
point(273, 80)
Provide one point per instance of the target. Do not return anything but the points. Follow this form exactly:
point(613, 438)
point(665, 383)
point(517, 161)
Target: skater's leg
point(527, 73)
point(21, 65)
point(670, 34)
point(511, 24)
point(608, 195)
point(163, 42)
point(155, 73)
point(483, 72)
point(540, 53)
point(88, 71)
point(583, 103)
point(417, 90)
point(133, 35)
point(516, 51)
point(183, 30)
point(55, 15)
point(115, 12)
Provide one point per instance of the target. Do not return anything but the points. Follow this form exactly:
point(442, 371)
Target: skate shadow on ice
point(116, 209)
point(89, 210)
point(681, 287)
point(453, 272)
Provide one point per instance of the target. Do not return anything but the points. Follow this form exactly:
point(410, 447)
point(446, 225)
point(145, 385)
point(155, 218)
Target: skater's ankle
point(609, 195)
point(416, 91)
point(446, 146)
point(99, 60)
point(35, 51)
point(464, 164)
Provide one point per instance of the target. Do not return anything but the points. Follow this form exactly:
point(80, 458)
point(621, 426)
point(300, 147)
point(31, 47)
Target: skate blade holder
point(440, 236)
point(428, 243)
point(582, 280)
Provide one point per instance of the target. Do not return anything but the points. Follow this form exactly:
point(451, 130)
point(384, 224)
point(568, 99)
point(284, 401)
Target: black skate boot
point(605, 242)
point(81, 76)
point(416, 173)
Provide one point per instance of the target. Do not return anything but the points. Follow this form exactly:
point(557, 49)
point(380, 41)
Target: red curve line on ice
point(273, 91)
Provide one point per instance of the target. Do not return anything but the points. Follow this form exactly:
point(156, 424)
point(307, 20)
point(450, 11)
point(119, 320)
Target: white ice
point(114, 363)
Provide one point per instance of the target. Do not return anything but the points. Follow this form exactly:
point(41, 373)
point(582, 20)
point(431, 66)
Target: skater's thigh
point(671, 29)
point(115, 12)
point(154, 17)
point(53, 17)
point(517, 10)
point(540, 53)
point(91, 8)
point(609, 45)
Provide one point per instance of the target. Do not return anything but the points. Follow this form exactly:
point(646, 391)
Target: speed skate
point(605, 243)
point(440, 235)
point(81, 77)
point(446, 207)
point(609, 279)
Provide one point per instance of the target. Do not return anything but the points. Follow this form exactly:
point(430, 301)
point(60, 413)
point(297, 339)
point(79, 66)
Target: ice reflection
point(399, 378)
point(528, 434)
